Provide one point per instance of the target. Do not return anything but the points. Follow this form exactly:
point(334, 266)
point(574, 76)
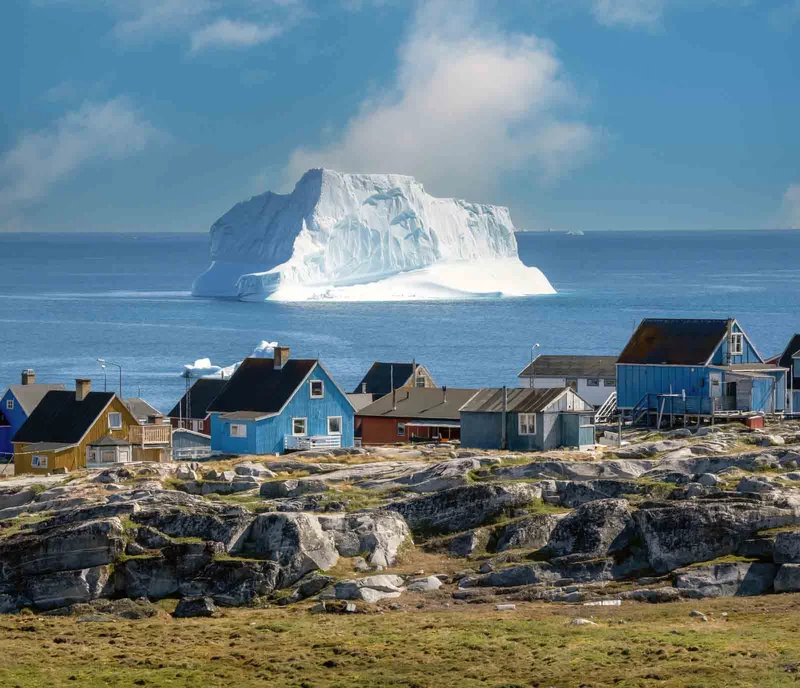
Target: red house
point(191, 412)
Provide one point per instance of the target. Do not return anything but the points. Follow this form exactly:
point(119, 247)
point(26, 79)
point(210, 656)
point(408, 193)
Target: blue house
point(273, 405)
point(790, 358)
point(696, 367)
point(527, 419)
point(16, 404)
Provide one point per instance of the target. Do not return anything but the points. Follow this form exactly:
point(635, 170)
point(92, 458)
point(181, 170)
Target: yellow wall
point(75, 457)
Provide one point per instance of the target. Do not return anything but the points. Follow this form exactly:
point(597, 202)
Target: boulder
point(295, 541)
point(653, 595)
point(465, 544)
point(255, 470)
point(463, 508)
point(788, 578)
point(726, 580)
point(16, 496)
point(531, 532)
point(592, 530)
point(233, 582)
point(572, 493)
point(770, 441)
point(190, 607)
point(62, 588)
point(309, 586)
point(426, 584)
point(688, 532)
point(184, 472)
point(758, 547)
point(279, 489)
point(229, 528)
point(369, 589)
point(709, 480)
point(441, 476)
point(759, 484)
point(787, 547)
point(222, 487)
point(377, 535)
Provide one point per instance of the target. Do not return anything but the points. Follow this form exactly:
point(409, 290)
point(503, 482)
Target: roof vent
point(28, 377)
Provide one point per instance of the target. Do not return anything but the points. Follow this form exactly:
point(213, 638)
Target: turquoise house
point(270, 406)
point(16, 404)
point(701, 367)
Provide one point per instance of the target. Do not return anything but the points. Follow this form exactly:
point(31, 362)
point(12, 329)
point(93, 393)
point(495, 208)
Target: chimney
point(280, 356)
point(28, 377)
point(444, 393)
point(363, 387)
point(82, 388)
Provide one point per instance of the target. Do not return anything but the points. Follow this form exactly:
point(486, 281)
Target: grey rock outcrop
point(63, 588)
point(369, 589)
point(234, 582)
point(190, 607)
point(467, 543)
point(377, 536)
point(531, 532)
point(280, 489)
point(254, 470)
point(726, 579)
point(226, 526)
point(10, 497)
point(788, 578)
point(427, 584)
point(594, 529)
point(787, 547)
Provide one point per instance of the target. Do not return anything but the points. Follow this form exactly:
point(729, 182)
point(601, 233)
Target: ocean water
point(66, 300)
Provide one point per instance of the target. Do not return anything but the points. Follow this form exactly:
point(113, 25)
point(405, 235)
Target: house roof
point(519, 400)
point(744, 367)
point(202, 393)
point(257, 386)
point(46, 446)
point(60, 417)
point(29, 396)
point(378, 379)
point(109, 441)
point(571, 366)
point(422, 403)
point(140, 408)
point(786, 359)
point(360, 401)
point(674, 341)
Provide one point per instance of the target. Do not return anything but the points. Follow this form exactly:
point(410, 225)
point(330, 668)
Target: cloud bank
point(468, 103)
point(789, 217)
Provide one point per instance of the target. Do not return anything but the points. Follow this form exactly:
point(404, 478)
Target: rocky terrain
point(670, 516)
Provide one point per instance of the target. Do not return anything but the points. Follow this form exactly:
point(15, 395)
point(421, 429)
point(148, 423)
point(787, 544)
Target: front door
point(715, 383)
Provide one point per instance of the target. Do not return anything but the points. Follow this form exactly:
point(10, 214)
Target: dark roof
point(379, 378)
point(519, 400)
point(109, 441)
point(46, 446)
point(257, 386)
point(140, 408)
point(770, 367)
point(360, 401)
point(785, 360)
point(60, 417)
point(674, 341)
point(29, 396)
point(201, 395)
point(419, 402)
point(571, 366)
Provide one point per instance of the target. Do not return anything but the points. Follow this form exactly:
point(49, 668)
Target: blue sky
point(158, 115)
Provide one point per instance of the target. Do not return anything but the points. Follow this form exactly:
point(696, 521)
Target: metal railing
point(293, 442)
point(150, 434)
point(606, 410)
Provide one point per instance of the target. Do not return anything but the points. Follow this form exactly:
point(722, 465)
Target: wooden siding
point(16, 417)
point(376, 430)
point(749, 354)
point(75, 457)
point(267, 436)
point(634, 381)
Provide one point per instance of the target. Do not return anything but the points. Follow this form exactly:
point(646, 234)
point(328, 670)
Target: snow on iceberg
point(358, 237)
point(203, 367)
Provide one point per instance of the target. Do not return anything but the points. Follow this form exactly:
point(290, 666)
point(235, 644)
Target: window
point(401, 429)
point(610, 382)
point(299, 426)
point(197, 425)
point(592, 382)
point(737, 344)
point(39, 461)
point(115, 421)
point(238, 430)
point(420, 381)
point(9, 404)
point(317, 389)
point(527, 423)
point(334, 425)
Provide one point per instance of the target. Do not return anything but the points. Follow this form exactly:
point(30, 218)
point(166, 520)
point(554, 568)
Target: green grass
point(466, 646)
point(728, 559)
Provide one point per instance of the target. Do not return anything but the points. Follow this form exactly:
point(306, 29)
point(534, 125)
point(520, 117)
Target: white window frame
point(422, 379)
point(610, 382)
point(331, 432)
point(592, 381)
point(311, 384)
point(530, 427)
point(9, 404)
point(238, 430)
point(111, 425)
point(401, 429)
point(736, 345)
point(305, 427)
point(38, 461)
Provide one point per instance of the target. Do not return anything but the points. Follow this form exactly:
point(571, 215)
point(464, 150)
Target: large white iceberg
point(364, 237)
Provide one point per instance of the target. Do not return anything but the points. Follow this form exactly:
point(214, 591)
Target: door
point(715, 383)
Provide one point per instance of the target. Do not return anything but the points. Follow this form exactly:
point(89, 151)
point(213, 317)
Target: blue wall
point(749, 354)
point(16, 417)
point(634, 381)
point(553, 430)
point(267, 436)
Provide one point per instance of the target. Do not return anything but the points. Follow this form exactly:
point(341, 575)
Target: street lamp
point(105, 377)
point(533, 368)
point(104, 362)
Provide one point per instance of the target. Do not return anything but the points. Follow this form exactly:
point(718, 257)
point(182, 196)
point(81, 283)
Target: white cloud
point(628, 12)
point(233, 34)
point(469, 102)
point(789, 217)
point(139, 19)
point(109, 130)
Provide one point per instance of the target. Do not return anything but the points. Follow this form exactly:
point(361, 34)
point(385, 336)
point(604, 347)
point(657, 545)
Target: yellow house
point(70, 430)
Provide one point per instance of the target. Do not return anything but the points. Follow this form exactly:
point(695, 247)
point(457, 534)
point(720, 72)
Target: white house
point(594, 378)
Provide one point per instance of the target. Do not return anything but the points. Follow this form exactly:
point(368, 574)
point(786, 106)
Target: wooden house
point(414, 414)
point(273, 405)
point(382, 378)
point(191, 412)
point(696, 367)
point(594, 378)
point(527, 419)
point(82, 429)
point(16, 405)
point(790, 359)
point(142, 411)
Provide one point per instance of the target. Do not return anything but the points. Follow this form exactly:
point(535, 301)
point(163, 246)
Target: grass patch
point(728, 559)
point(22, 522)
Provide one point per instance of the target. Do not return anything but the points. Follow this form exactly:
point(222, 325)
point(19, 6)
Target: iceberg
point(364, 237)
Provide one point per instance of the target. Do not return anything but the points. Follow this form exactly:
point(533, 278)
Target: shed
point(527, 419)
